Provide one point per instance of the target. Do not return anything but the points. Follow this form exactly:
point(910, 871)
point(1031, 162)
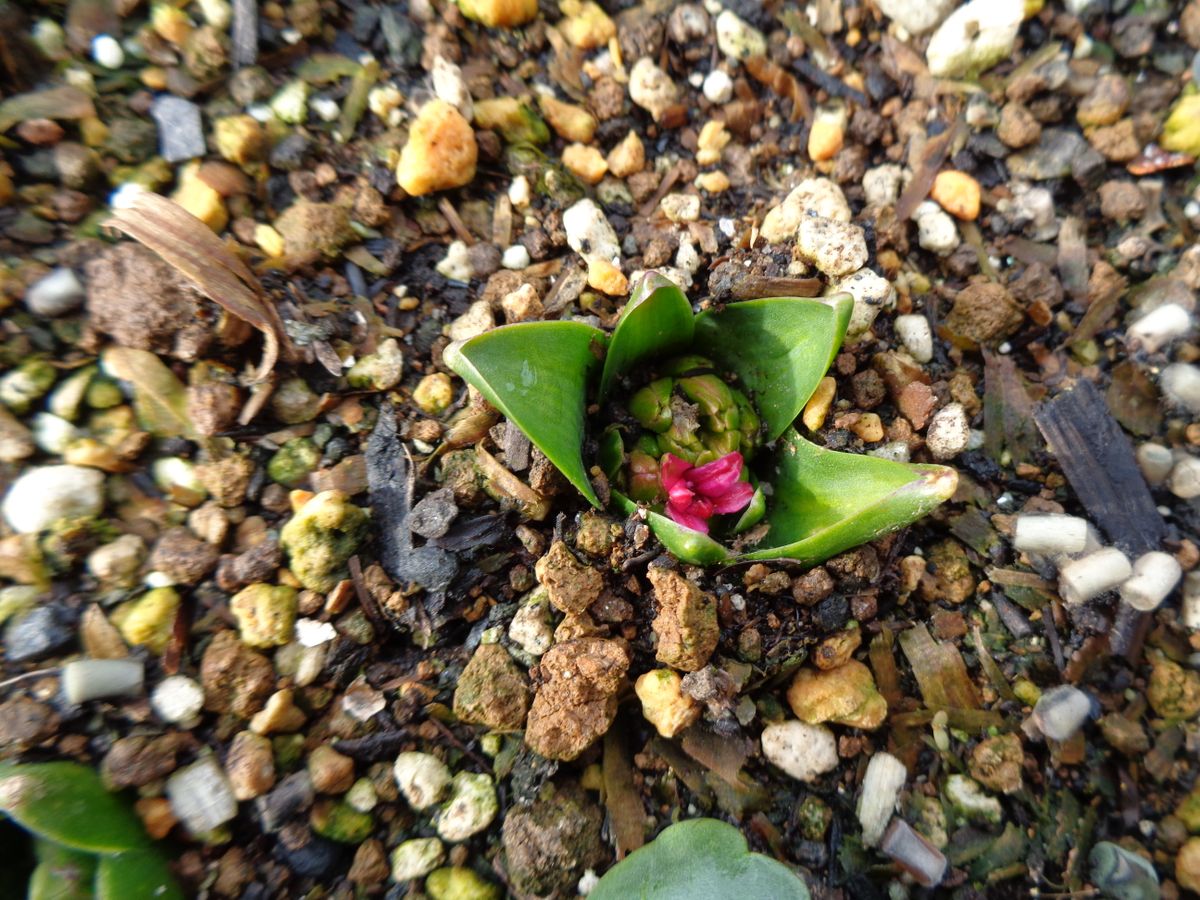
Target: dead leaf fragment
point(200, 256)
point(159, 398)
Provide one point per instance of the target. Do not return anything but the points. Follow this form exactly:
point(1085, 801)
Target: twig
point(17, 679)
point(451, 214)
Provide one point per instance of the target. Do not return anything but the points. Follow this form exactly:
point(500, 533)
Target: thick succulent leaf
point(65, 802)
point(657, 321)
point(684, 543)
point(536, 373)
point(139, 873)
point(61, 874)
point(695, 859)
point(825, 502)
point(779, 347)
point(753, 513)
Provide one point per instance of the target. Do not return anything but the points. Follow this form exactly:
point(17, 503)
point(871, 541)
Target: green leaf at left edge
point(825, 502)
point(65, 802)
point(780, 348)
point(61, 874)
point(536, 373)
point(138, 873)
point(684, 543)
point(657, 321)
point(699, 858)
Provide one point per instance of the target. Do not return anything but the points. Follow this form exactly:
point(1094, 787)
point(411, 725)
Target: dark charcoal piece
point(832, 613)
point(1097, 459)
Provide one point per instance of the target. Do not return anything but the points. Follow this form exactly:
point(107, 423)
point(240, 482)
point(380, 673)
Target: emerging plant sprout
point(695, 427)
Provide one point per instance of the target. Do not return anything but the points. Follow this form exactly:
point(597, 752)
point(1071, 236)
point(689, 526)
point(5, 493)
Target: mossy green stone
point(293, 462)
point(320, 538)
point(459, 883)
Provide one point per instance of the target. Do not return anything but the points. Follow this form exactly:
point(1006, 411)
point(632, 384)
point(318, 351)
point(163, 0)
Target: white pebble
point(651, 88)
point(881, 788)
point(936, 231)
point(177, 699)
point(1156, 462)
point(916, 336)
point(456, 264)
point(1061, 711)
point(475, 321)
point(1158, 328)
point(801, 750)
point(872, 293)
point(55, 294)
point(835, 248)
point(325, 108)
point(95, 679)
point(1155, 575)
point(975, 37)
point(589, 232)
point(471, 808)
point(515, 257)
point(718, 86)
point(737, 38)
point(881, 185)
point(1089, 576)
point(416, 858)
point(201, 796)
point(1184, 480)
point(1050, 533)
point(949, 432)
point(42, 496)
point(519, 192)
point(423, 779)
point(107, 51)
point(1180, 382)
point(449, 85)
point(53, 434)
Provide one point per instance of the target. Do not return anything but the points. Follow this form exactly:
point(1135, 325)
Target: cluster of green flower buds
point(691, 412)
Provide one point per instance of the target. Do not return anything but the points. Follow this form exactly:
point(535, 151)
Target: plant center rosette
point(695, 424)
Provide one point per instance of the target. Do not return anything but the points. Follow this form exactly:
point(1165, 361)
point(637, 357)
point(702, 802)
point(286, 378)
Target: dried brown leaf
point(159, 398)
point(622, 799)
point(200, 256)
point(783, 83)
point(939, 669)
point(721, 755)
point(925, 171)
point(65, 102)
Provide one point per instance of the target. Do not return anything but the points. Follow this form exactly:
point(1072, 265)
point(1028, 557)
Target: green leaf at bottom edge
point(536, 373)
point(138, 873)
point(65, 802)
point(825, 502)
point(61, 874)
point(699, 858)
point(684, 543)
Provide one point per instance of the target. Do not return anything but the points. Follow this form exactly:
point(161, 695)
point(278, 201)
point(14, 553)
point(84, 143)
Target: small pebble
point(936, 231)
point(1180, 382)
point(737, 38)
point(916, 336)
point(718, 86)
point(1050, 533)
point(177, 699)
point(958, 194)
point(201, 796)
point(1159, 327)
point(107, 51)
point(423, 779)
point(95, 679)
point(471, 807)
point(515, 257)
point(881, 788)
point(180, 129)
point(55, 294)
point(1089, 576)
point(42, 496)
point(1061, 711)
point(801, 750)
point(1155, 575)
point(1184, 480)
point(949, 432)
point(1156, 462)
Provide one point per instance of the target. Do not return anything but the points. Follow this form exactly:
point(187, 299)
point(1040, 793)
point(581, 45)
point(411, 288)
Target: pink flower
point(694, 493)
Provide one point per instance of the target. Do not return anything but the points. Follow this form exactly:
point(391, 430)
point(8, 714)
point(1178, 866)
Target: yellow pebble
point(154, 77)
point(441, 151)
point(957, 193)
point(586, 163)
point(570, 122)
point(712, 140)
point(825, 139)
point(92, 131)
point(627, 157)
point(605, 277)
point(269, 240)
point(201, 201)
point(818, 404)
point(712, 182)
point(869, 427)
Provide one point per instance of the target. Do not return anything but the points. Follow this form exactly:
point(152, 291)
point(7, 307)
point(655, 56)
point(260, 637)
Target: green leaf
point(657, 321)
point(61, 874)
point(753, 512)
point(825, 502)
point(684, 543)
point(536, 373)
point(65, 802)
point(779, 347)
point(696, 859)
point(159, 398)
point(139, 873)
